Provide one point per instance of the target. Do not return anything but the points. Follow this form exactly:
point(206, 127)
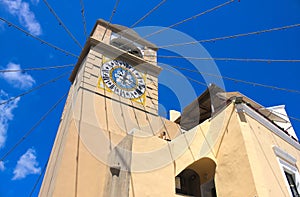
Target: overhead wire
point(276, 112)
point(82, 11)
point(190, 78)
point(144, 17)
point(137, 22)
point(105, 99)
point(238, 80)
point(148, 13)
point(232, 36)
point(37, 38)
point(110, 18)
point(32, 128)
point(35, 88)
point(162, 121)
point(209, 40)
point(36, 69)
point(39, 178)
point(61, 23)
point(227, 59)
point(252, 83)
point(191, 18)
point(181, 22)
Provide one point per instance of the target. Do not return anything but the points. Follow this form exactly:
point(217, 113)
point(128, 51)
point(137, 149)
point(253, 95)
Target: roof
point(212, 101)
point(262, 110)
point(202, 108)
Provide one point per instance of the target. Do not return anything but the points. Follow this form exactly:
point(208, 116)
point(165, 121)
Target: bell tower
point(124, 65)
point(113, 100)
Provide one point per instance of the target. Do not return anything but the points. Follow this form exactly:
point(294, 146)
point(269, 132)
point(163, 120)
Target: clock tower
point(111, 113)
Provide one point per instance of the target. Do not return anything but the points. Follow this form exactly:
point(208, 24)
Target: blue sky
point(21, 168)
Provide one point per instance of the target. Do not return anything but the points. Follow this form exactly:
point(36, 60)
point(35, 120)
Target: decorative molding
point(284, 155)
point(114, 52)
point(261, 119)
point(111, 51)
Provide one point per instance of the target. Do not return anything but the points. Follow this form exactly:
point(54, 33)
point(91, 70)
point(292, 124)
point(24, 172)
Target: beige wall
point(238, 148)
point(267, 173)
point(238, 145)
point(233, 174)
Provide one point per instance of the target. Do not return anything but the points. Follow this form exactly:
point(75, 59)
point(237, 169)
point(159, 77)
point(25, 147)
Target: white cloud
point(6, 115)
point(17, 79)
point(26, 165)
point(2, 167)
point(25, 15)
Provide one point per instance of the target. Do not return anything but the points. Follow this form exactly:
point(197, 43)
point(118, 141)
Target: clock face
point(123, 79)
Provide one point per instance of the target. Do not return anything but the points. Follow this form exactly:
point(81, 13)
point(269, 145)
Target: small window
point(291, 180)
point(289, 171)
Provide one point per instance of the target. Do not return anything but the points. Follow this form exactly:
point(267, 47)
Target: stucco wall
point(233, 174)
point(267, 172)
point(96, 121)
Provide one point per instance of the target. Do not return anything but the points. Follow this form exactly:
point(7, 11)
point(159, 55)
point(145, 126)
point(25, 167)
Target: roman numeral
point(105, 78)
point(139, 91)
point(122, 93)
point(112, 86)
point(141, 87)
point(127, 66)
point(132, 94)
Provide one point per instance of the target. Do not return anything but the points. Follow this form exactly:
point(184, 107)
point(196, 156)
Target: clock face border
point(119, 83)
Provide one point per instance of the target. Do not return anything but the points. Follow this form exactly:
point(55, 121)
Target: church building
point(111, 141)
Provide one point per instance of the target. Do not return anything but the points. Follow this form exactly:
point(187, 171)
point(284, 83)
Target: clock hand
point(125, 76)
point(126, 79)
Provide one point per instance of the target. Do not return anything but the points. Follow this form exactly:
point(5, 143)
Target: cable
point(111, 17)
point(273, 87)
point(163, 122)
point(291, 117)
point(39, 178)
point(34, 37)
point(145, 16)
point(199, 82)
point(226, 59)
point(62, 24)
point(191, 18)
point(32, 128)
point(233, 36)
point(238, 80)
point(33, 89)
point(181, 22)
point(148, 13)
point(37, 69)
point(83, 18)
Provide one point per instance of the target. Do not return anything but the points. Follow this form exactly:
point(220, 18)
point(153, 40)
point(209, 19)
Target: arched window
point(126, 45)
